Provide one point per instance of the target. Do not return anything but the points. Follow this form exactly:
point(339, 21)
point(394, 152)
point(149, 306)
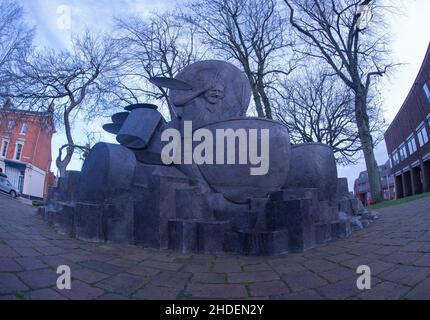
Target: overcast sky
point(410, 29)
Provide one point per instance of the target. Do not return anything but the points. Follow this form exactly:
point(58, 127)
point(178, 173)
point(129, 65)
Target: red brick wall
point(37, 140)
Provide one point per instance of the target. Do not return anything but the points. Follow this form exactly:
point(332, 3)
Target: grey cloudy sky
point(411, 36)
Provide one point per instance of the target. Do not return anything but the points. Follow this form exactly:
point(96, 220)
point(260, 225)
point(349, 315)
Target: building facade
point(25, 149)
point(362, 186)
point(407, 138)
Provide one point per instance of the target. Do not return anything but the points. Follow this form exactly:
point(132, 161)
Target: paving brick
point(112, 296)
point(406, 258)
point(209, 277)
point(338, 274)
point(269, 288)
point(304, 280)
point(162, 265)
point(87, 275)
point(123, 284)
point(143, 271)
point(256, 267)
point(302, 295)
point(9, 283)
point(214, 291)
point(197, 267)
point(171, 279)
point(151, 292)
point(39, 278)
point(45, 294)
point(385, 291)
point(252, 276)
point(31, 263)
point(20, 243)
point(227, 267)
point(319, 265)
point(340, 290)
point(420, 292)
point(9, 265)
point(81, 291)
point(50, 250)
point(407, 275)
point(100, 266)
point(424, 261)
point(6, 251)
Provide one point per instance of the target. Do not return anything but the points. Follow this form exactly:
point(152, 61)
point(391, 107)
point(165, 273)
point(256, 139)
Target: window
point(4, 146)
point(412, 145)
point(427, 91)
point(10, 125)
point(402, 152)
point(422, 135)
point(395, 158)
point(24, 128)
point(18, 151)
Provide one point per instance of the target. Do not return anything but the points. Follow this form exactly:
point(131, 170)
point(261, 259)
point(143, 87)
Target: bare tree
point(252, 33)
point(159, 46)
point(336, 32)
point(76, 81)
point(15, 41)
point(317, 107)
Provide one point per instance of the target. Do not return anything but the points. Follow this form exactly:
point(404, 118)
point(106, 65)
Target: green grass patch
point(20, 295)
point(38, 203)
point(396, 202)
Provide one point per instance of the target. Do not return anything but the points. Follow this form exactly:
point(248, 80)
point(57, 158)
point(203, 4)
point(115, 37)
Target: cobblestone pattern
point(396, 248)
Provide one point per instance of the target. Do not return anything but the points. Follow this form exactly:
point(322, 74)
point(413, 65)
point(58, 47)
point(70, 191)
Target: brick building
point(362, 186)
point(25, 149)
point(407, 138)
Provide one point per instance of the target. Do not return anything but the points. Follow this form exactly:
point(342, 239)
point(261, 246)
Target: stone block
point(340, 229)
point(182, 235)
point(90, 222)
point(68, 186)
point(232, 242)
point(190, 204)
point(239, 219)
point(211, 235)
point(295, 193)
point(342, 188)
point(322, 232)
point(64, 220)
point(296, 216)
point(263, 243)
point(154, 204)
point(119, 218)
point(327, 212)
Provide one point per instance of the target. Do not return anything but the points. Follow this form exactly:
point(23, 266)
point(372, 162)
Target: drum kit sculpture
point(131, 193)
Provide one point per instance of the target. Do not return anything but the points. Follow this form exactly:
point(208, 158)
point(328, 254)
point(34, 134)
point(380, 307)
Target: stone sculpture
point(126, 193)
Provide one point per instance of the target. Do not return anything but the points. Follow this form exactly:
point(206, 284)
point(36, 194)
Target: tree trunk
point(63, 163)
point(266, 102)
point(367, 145)
point(257, 101)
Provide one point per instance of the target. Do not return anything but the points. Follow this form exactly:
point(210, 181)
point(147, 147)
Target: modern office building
point(25, 149)
point(407, 138)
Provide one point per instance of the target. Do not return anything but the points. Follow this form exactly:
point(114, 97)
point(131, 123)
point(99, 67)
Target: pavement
point(396, 248)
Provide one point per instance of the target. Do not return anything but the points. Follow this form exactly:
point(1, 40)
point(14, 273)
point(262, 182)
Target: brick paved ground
point(397, 249)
